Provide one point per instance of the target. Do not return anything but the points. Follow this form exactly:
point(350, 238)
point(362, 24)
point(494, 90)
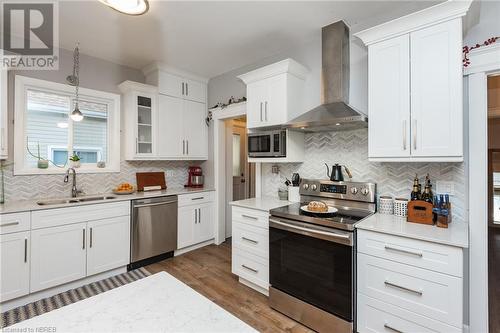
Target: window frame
point(23, 84)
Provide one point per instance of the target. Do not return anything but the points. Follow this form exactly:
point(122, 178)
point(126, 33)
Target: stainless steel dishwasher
point(153, 234)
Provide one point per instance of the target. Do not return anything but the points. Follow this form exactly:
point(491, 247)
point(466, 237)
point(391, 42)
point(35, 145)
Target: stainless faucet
point(74, 190)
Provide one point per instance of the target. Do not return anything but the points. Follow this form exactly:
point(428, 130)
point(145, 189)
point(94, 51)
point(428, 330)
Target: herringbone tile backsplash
point(351, 148)
point(52, 186)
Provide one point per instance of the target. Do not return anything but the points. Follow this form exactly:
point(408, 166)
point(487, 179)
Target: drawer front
point(251, 239)
point(195, 198)
point(432, 256)
point(14, 222)
point(251, 268)
point(251, 216)
point(375, 316)
point(434, 295)
point(62, 216)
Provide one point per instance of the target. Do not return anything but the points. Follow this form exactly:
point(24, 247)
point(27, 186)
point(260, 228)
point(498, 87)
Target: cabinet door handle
point(250, 240)
point(392, 328)
point(261, 111)
point(2, 138)
point(187, 89)
point(9, 224)
point(83, 243)
point(183, 147)
point(404, 134)
point(90, 237)
point(187, 147)
point(199, 215)
point(249, 217)
point(182, 88)
point(250, 269)
point(136, 145)
point(414, 130)
point(413, 291)
point(390, 248)
point(26, 250)
point(195, 216)
point(265, 110)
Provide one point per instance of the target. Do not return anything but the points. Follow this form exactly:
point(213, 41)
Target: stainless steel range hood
point(334, 113)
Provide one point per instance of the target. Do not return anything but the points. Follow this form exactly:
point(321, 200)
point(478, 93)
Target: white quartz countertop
point(31, 205)
point(457, 233)
point(157, 303)
point(264, 203)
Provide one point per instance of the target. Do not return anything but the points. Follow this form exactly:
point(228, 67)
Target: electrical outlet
point(445, 187)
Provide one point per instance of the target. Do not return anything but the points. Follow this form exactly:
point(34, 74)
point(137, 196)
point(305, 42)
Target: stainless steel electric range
point(312, 257)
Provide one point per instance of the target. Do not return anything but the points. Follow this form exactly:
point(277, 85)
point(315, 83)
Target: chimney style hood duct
point(335, 113)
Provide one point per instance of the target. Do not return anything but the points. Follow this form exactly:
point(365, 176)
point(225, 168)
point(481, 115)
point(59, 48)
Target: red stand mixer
point(195, 177)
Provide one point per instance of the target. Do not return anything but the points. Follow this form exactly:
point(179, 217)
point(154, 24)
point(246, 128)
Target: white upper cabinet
point(389, 98)
point(415, 77)
point(4, 153)
point(274, 93)
point(170, 115)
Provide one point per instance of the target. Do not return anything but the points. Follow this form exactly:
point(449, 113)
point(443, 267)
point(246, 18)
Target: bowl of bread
point(124, 188)
point(318, 207)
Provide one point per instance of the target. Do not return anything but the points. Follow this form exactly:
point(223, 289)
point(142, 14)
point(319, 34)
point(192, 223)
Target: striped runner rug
point(71, 296)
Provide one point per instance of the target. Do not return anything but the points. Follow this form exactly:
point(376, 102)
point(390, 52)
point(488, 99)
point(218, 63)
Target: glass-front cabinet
point(144, 125)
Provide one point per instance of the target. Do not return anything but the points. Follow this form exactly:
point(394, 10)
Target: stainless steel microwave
point(267, 144)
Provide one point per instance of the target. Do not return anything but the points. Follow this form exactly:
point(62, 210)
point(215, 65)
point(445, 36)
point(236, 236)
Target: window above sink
point(43, 125)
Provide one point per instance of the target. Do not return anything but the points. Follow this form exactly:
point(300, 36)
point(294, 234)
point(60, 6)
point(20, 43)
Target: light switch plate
point(445, 187)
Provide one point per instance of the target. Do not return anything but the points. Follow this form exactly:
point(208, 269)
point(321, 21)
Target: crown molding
point(159, 66)
point(284, 66)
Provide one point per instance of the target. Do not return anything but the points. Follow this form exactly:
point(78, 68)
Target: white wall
point(484, 25)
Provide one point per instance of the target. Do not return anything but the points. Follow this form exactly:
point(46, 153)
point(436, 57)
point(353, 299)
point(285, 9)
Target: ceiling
point(209, 38)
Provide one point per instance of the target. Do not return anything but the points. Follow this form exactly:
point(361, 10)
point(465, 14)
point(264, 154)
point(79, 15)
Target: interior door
point(389, 98)
point(58, 255)
point(108, 244)
point(170, 126)
point(15, 259)
point(195, 129)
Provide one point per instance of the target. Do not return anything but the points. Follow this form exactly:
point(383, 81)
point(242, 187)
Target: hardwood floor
point(494, 278)
point(208, 271)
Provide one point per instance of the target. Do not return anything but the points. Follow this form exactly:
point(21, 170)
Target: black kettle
point(336, 175)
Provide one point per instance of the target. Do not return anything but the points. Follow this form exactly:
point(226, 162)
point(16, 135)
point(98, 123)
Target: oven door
point(314, 264)
point(260, 145)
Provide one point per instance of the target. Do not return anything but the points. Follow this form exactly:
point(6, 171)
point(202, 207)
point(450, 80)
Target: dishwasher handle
point(150, 202)
point(154, 204)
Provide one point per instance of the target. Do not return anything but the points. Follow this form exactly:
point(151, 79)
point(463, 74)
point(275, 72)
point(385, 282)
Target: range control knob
point(314, 187)
point(305, 186)
point(365, 191)
point(354, 190)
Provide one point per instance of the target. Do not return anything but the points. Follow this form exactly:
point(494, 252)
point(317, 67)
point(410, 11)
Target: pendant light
point(129, 7)
point(74, 80)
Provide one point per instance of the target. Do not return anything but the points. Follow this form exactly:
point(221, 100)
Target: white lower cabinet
point(423, 293)
point(58, 255)
point(108, 244)
point(15, 260)
point(195, 219)
point(250, 247)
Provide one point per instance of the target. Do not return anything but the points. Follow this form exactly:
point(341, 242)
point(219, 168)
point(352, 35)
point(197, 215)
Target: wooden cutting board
point(150, 179)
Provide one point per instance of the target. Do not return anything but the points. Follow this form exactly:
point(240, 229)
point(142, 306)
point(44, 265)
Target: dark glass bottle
point(429, 184)
point(427, 195)
point(436, 210)
point(415, 193)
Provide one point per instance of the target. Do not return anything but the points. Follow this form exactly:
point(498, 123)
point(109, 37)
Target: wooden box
point(420, 211)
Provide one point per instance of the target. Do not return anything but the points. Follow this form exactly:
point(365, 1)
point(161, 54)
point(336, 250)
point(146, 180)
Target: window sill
point(60, 171)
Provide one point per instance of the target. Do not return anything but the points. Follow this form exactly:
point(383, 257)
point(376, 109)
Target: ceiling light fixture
point(74, 80)
point(129, 7)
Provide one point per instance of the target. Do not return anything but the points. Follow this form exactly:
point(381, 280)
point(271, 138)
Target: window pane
point(236, 155)
point(91, 134)
point(46, 124)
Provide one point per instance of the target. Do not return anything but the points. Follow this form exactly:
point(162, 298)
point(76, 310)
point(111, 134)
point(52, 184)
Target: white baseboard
point(254, 286)
point(193, 247)
point(23, 300)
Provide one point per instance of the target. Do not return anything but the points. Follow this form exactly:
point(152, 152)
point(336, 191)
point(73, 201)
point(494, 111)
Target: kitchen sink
point(73, 200)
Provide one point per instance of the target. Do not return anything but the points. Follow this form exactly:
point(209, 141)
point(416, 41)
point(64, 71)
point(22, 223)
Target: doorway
point(494, 202)
point(240, 176)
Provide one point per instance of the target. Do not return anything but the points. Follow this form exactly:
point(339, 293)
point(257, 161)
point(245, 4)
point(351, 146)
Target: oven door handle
point(325, 235)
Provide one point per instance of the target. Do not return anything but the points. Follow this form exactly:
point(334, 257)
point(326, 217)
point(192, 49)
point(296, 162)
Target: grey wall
point(95, 74)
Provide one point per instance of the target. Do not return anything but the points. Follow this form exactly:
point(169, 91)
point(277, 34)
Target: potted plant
point(75, 161)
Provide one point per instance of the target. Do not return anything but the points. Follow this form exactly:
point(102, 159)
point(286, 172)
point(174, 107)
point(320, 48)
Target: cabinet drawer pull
point(9, 224)
point(250, 240)
point(390, 284)
point(390, 248)
point(392, 328)
point(83, 243)
point(90, 237)
point(250, 269)
point(198, 198)
point(26, 250)
point(249, 217)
